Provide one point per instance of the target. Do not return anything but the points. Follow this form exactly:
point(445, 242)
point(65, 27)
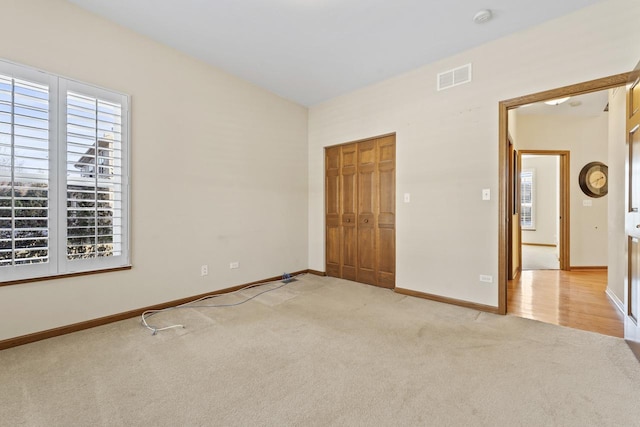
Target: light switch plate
point(486, 194)
point(407, 197)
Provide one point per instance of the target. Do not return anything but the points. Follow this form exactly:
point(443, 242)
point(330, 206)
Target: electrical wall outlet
point(234, 264)
point(485, 278)
point(204, 270)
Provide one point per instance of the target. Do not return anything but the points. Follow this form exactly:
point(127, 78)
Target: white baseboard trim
point(615, 300)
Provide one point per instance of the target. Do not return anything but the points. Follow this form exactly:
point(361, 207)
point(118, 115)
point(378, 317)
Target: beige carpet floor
point(540, 258)
point(321, 352)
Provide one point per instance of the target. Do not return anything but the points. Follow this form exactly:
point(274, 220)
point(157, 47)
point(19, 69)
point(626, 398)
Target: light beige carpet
point(320, 352)
point(540, 258)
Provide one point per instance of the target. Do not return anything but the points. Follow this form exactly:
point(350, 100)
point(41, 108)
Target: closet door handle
point(348, 220)
point(366, 221)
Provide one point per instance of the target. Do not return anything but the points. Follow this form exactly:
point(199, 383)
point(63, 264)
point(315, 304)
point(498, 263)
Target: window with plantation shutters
point(63, 175)
point(527, 217)
point(24, 172)
point(94, 177)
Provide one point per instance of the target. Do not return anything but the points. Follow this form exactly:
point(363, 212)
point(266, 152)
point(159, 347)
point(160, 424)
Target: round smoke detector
point(482, 16)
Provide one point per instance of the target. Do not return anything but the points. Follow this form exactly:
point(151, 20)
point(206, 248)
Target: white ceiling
point(309, 51)
point(588, 105)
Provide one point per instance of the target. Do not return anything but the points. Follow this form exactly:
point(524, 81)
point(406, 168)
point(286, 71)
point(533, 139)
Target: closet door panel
point(349, 203)
point(367, 207)
point(386, 221)
point(332, 207)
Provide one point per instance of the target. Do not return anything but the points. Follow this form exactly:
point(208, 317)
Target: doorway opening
point(544, 206)
point(539, 211)
point(513, 212)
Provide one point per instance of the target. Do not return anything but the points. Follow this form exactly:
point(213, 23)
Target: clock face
point(593, 179)
point(597, 179)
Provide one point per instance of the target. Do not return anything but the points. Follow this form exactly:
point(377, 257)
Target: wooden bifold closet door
point(360, 211)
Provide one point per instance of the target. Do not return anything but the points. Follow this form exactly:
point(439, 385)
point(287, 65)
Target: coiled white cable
point(154, 329)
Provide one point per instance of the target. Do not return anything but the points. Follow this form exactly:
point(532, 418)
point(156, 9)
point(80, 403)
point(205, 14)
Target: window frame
point(58, 264)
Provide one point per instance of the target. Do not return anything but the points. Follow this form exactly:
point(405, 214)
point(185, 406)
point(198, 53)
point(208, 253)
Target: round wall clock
point(594, 179)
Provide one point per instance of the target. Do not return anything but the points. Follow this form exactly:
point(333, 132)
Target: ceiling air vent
point(454, 77)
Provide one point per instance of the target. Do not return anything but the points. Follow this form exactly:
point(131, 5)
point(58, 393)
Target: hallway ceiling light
point(557, 101)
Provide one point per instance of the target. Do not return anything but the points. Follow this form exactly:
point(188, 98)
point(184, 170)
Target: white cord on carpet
point(154, 329)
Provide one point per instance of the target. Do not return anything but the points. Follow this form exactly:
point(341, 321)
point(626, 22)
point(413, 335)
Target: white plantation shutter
point(24, 172)
point(63, 175)
point(94, 177)
point(527, 217)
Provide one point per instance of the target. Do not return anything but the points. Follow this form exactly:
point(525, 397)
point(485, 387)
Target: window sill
point(64, 276)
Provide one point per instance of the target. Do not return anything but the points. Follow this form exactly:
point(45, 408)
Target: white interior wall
point(219, 170)
point(616, 239)
point(512, 125)
point(447, 142)
point(587, 140)
point(545, 199)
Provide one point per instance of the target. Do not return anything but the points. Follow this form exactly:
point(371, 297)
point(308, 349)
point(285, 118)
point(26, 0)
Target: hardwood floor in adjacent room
point(575, 299)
